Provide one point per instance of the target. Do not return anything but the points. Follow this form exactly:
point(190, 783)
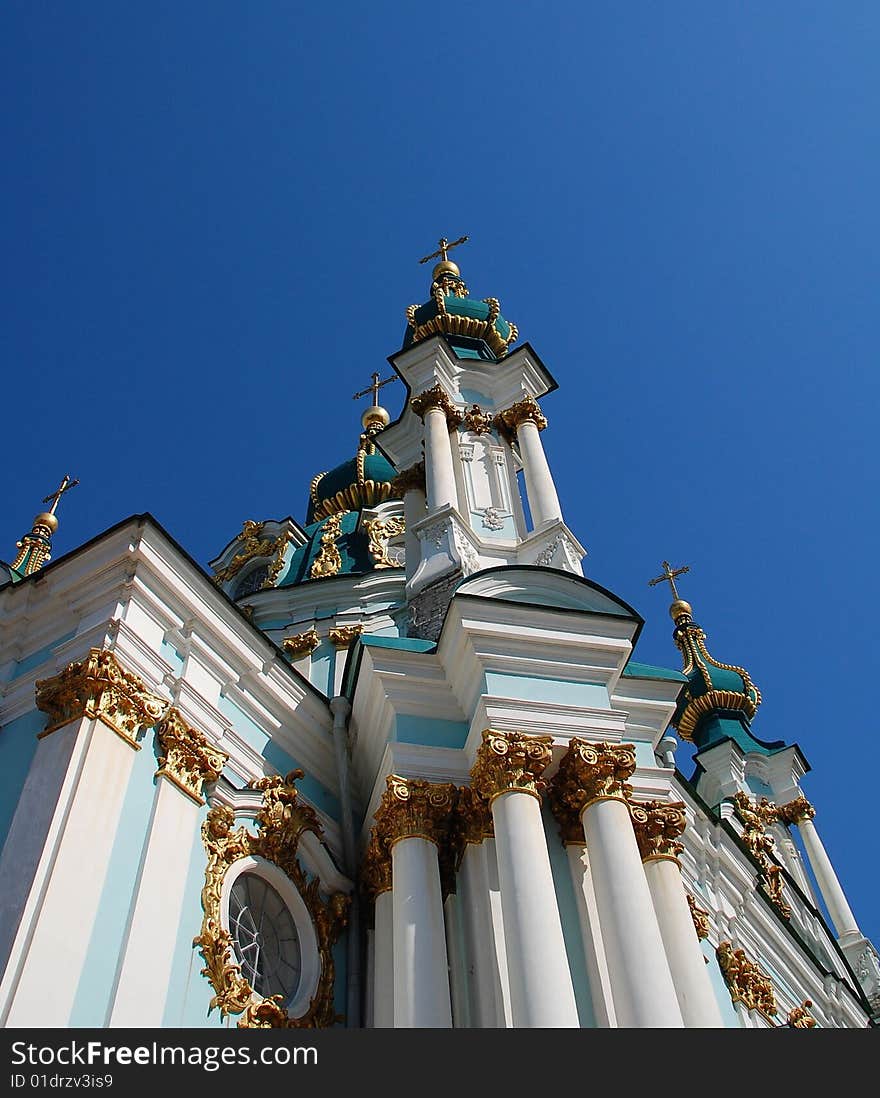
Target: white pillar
point(644, 994)
point(421, 978)
point(540, 489)
point(413, 510)
point(383, 962)
point(485, 996)
point(458, 981)
point(693, 987)
point(591, 935)
point(439, 470)
point(841, 914)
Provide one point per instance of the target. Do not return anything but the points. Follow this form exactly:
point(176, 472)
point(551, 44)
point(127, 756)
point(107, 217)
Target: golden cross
point(669, 575)
point(65, 486)
point(444, 248)
point(374, 388)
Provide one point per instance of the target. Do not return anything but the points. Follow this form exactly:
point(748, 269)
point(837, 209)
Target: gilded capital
point(100, 688)
point(658, 826)
point(436, 397)
point(376, 867)
point(746, 982)
point(526, 410)
point(345, 635)
point(699, 916)
point(796, 811)
point(593, 771)
point(409, 479)
point(188, 759)
point(473, 817)
point(301, 644)
point(509, 762)
point(414, 808)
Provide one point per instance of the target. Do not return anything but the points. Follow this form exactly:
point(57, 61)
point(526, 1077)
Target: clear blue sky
point(211, 218)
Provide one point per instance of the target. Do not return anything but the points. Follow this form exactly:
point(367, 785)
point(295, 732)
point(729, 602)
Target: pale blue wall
point(18, 744)
point(558, 691)
point(722, 993)
point(92, 1001)
point(570, 916)
point(34, 659)
point(431, 732)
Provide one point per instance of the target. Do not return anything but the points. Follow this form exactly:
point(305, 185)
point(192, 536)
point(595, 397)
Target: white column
point(543, 500)
point(383, 962)
point(838, 908)
point(699, 1007)
point(421, 977)
point(591, 935)
point(485, 997)
point(644, 994)
point(458, 981)
point(413, 510)
point(439, 470)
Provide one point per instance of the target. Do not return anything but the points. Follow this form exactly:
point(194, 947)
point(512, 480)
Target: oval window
point(264, 937)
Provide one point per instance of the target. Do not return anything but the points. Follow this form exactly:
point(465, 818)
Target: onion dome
point(713, 687)
point(474, 327)
point(362, 481)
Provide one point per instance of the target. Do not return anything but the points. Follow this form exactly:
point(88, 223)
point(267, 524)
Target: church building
point(395, 762)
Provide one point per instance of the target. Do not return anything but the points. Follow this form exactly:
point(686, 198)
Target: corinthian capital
point(409, 479)
point(436, 397)
point(376, 867)
point(99, 687)
point(510, 762)
point(593, 771)
point(795, 811)
point(473, 818)
point(658, 825)
point(414, 808)
point(526, 410)
point(188, 759)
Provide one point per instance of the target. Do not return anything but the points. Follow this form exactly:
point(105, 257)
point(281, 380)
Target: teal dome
point(362, 481)
point(470, 324)
point(352, 548)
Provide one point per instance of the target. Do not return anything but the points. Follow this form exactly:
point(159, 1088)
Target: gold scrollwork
point(746, 982)
point(380, 532)
point(592, 771)
point(409, 479)
point(658, 826)
point(301, 644)
point(795, 811)
point(436, 397)
point(99, 687)
point(799, 1017)
point(510, 762)
point(414, 808)
point(699, 916)
point(281, 822)
point(328, 562)
point(754, 817)
point(253, 546)
point(376, 867)
point(477, 421)
point(345, 635)
point(188, 759)
point(526, 410)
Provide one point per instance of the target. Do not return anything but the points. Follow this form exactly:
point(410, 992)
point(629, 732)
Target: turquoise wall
point(18, 744)
point(34, 659)
point(558, 691)
point(722, 993)
point(431, 732)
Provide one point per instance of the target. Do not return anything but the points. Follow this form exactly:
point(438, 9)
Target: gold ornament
point(658, 825)
point(414, 808)
point(510, 762)
point(477, 421)
point(301, 644)
point(376, 867)
point(761, 845)
point(328, 561)
point(409, 479)
point(795, 811)
point(99, 687)
point(252, 547)
point(188, 759)
point(345, 635)
point(436, 397)
point(380, 532)
point(799, 1017)
point(473, 818)
point(281, 822)
point(526, 410)
point(590, 772)
point(699, 916)
point(746, 982)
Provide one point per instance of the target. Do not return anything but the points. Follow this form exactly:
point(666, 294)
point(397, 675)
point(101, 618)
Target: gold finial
point(33, 549)
point(445, 265)
point(375, 417)
point(55, 497)
point(679, 606)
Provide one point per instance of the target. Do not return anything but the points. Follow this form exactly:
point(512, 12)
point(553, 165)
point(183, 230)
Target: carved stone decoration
point(415, 808)
point(436, 397)
point(280, 823)
point(477, 421)
point(492, 519)
point(253, 546)
point(188, 759)
point(345, 635)
point(100, 688)
point(761, 845)
point(525, 410)
point(795, 811)
point(590, 772)
point(409, 479)
point(658, 826)
point(799, 1017)
point(376, 867)
point(746, 982)
point(379, 533)
point(301, 644)
point(545, 557)
point(700, 917)
point(510, 762)
point(328, 562)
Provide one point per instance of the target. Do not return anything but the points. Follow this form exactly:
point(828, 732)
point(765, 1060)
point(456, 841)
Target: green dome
point(362, 481)
point(466, 321)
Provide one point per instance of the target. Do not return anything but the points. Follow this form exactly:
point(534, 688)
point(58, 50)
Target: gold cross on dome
point(55, 497)
point(374, 388)
point(444, 249)
point(669, 575)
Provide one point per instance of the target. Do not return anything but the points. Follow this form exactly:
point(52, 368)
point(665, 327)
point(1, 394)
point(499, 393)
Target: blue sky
point(211, 220)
